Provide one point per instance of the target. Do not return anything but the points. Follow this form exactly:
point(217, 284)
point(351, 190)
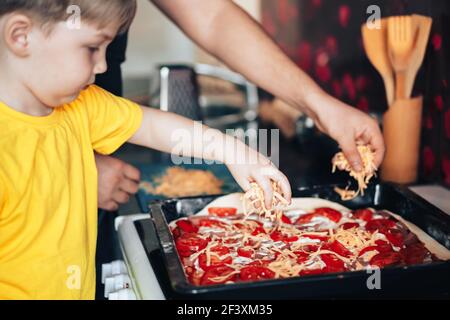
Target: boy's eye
point(93, 49)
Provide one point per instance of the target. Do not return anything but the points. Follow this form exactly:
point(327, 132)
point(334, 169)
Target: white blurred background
point(154, 39)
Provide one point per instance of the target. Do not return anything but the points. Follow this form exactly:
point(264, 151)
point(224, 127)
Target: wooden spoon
point(375, 44)
point(401, 47)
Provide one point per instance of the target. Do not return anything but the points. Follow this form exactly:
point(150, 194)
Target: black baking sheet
point(428, 280)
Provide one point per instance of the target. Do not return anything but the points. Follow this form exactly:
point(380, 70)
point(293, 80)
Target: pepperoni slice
point(329, 213)
point(385, 259)
point(222, 211)
point(395, 237)
point(231, 241)
point(215, 272)
point(253, 273)
point(368, 249)
point(380, 246)
point(259, 263)
point(310, 248)
point(312, 272)
point(176, 232)
point(190, 243)
point(340, 249)
point(333, 264)
point(278, 236)
point(383, 246)
point(186, 226)
point(193, 276)
point(245, 252)
point(414, 253)
point(305, 218)
point(285, 219)
point(350, 225)
point(214, 260)
point(212, 223)
point(380, 225)
point(255, 231)
point(258, 230)
point(301, 256)
point(363, 214)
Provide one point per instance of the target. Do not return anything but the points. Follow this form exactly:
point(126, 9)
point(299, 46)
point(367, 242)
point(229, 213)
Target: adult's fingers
point(121, 197)
point(377, 143)
point(129, 186)
point(374, 138)
point(350, 150)
point(131, 172)
point(110, 206)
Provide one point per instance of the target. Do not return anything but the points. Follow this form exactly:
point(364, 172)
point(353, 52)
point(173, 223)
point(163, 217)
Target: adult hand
point(348, 126)
point(117, 181)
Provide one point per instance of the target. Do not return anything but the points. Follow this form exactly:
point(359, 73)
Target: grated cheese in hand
point(363, 177)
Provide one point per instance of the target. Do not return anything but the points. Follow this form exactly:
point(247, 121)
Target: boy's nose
point(101, 67)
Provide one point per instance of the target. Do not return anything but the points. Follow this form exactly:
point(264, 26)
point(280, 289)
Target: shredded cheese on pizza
point(363, 177)
point(246, 248)
point(253, 203)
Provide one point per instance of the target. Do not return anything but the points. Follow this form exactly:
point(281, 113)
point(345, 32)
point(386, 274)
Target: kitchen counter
point(435, 194)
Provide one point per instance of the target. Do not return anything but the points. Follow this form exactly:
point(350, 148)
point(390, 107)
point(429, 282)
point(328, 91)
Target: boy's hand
point(262, 172)
point(117, 181)
point(159, 130)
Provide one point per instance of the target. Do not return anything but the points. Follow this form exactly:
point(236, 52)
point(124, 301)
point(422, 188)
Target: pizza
point(222, 245)
point(253, 203)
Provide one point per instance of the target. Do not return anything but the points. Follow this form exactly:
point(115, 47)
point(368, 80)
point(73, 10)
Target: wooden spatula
point(375, 44)
point(421, 28)
point(401, 46)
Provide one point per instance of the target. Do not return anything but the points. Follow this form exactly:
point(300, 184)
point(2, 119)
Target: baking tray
point(427, 280)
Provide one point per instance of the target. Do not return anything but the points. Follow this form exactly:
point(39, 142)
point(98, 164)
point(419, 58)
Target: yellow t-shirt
point(48, 193)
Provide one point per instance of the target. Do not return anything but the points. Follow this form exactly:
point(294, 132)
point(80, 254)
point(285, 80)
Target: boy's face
point(61, 64)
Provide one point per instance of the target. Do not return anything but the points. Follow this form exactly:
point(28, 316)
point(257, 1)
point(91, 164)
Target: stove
point(139, 245)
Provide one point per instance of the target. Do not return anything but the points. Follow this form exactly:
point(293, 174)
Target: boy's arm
point(226, 31)
point(174, 134)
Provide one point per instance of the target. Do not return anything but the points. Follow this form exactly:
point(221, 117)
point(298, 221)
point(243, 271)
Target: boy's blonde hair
point(99, 12)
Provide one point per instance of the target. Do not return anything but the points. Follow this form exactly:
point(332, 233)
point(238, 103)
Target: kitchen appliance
point(176, 88)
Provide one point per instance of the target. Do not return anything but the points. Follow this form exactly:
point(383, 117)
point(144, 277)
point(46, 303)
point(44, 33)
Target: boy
point(52, 119)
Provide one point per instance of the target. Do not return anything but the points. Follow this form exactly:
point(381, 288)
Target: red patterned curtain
point(324, 39)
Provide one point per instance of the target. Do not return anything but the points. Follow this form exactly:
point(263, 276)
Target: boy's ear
point(16, 34)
